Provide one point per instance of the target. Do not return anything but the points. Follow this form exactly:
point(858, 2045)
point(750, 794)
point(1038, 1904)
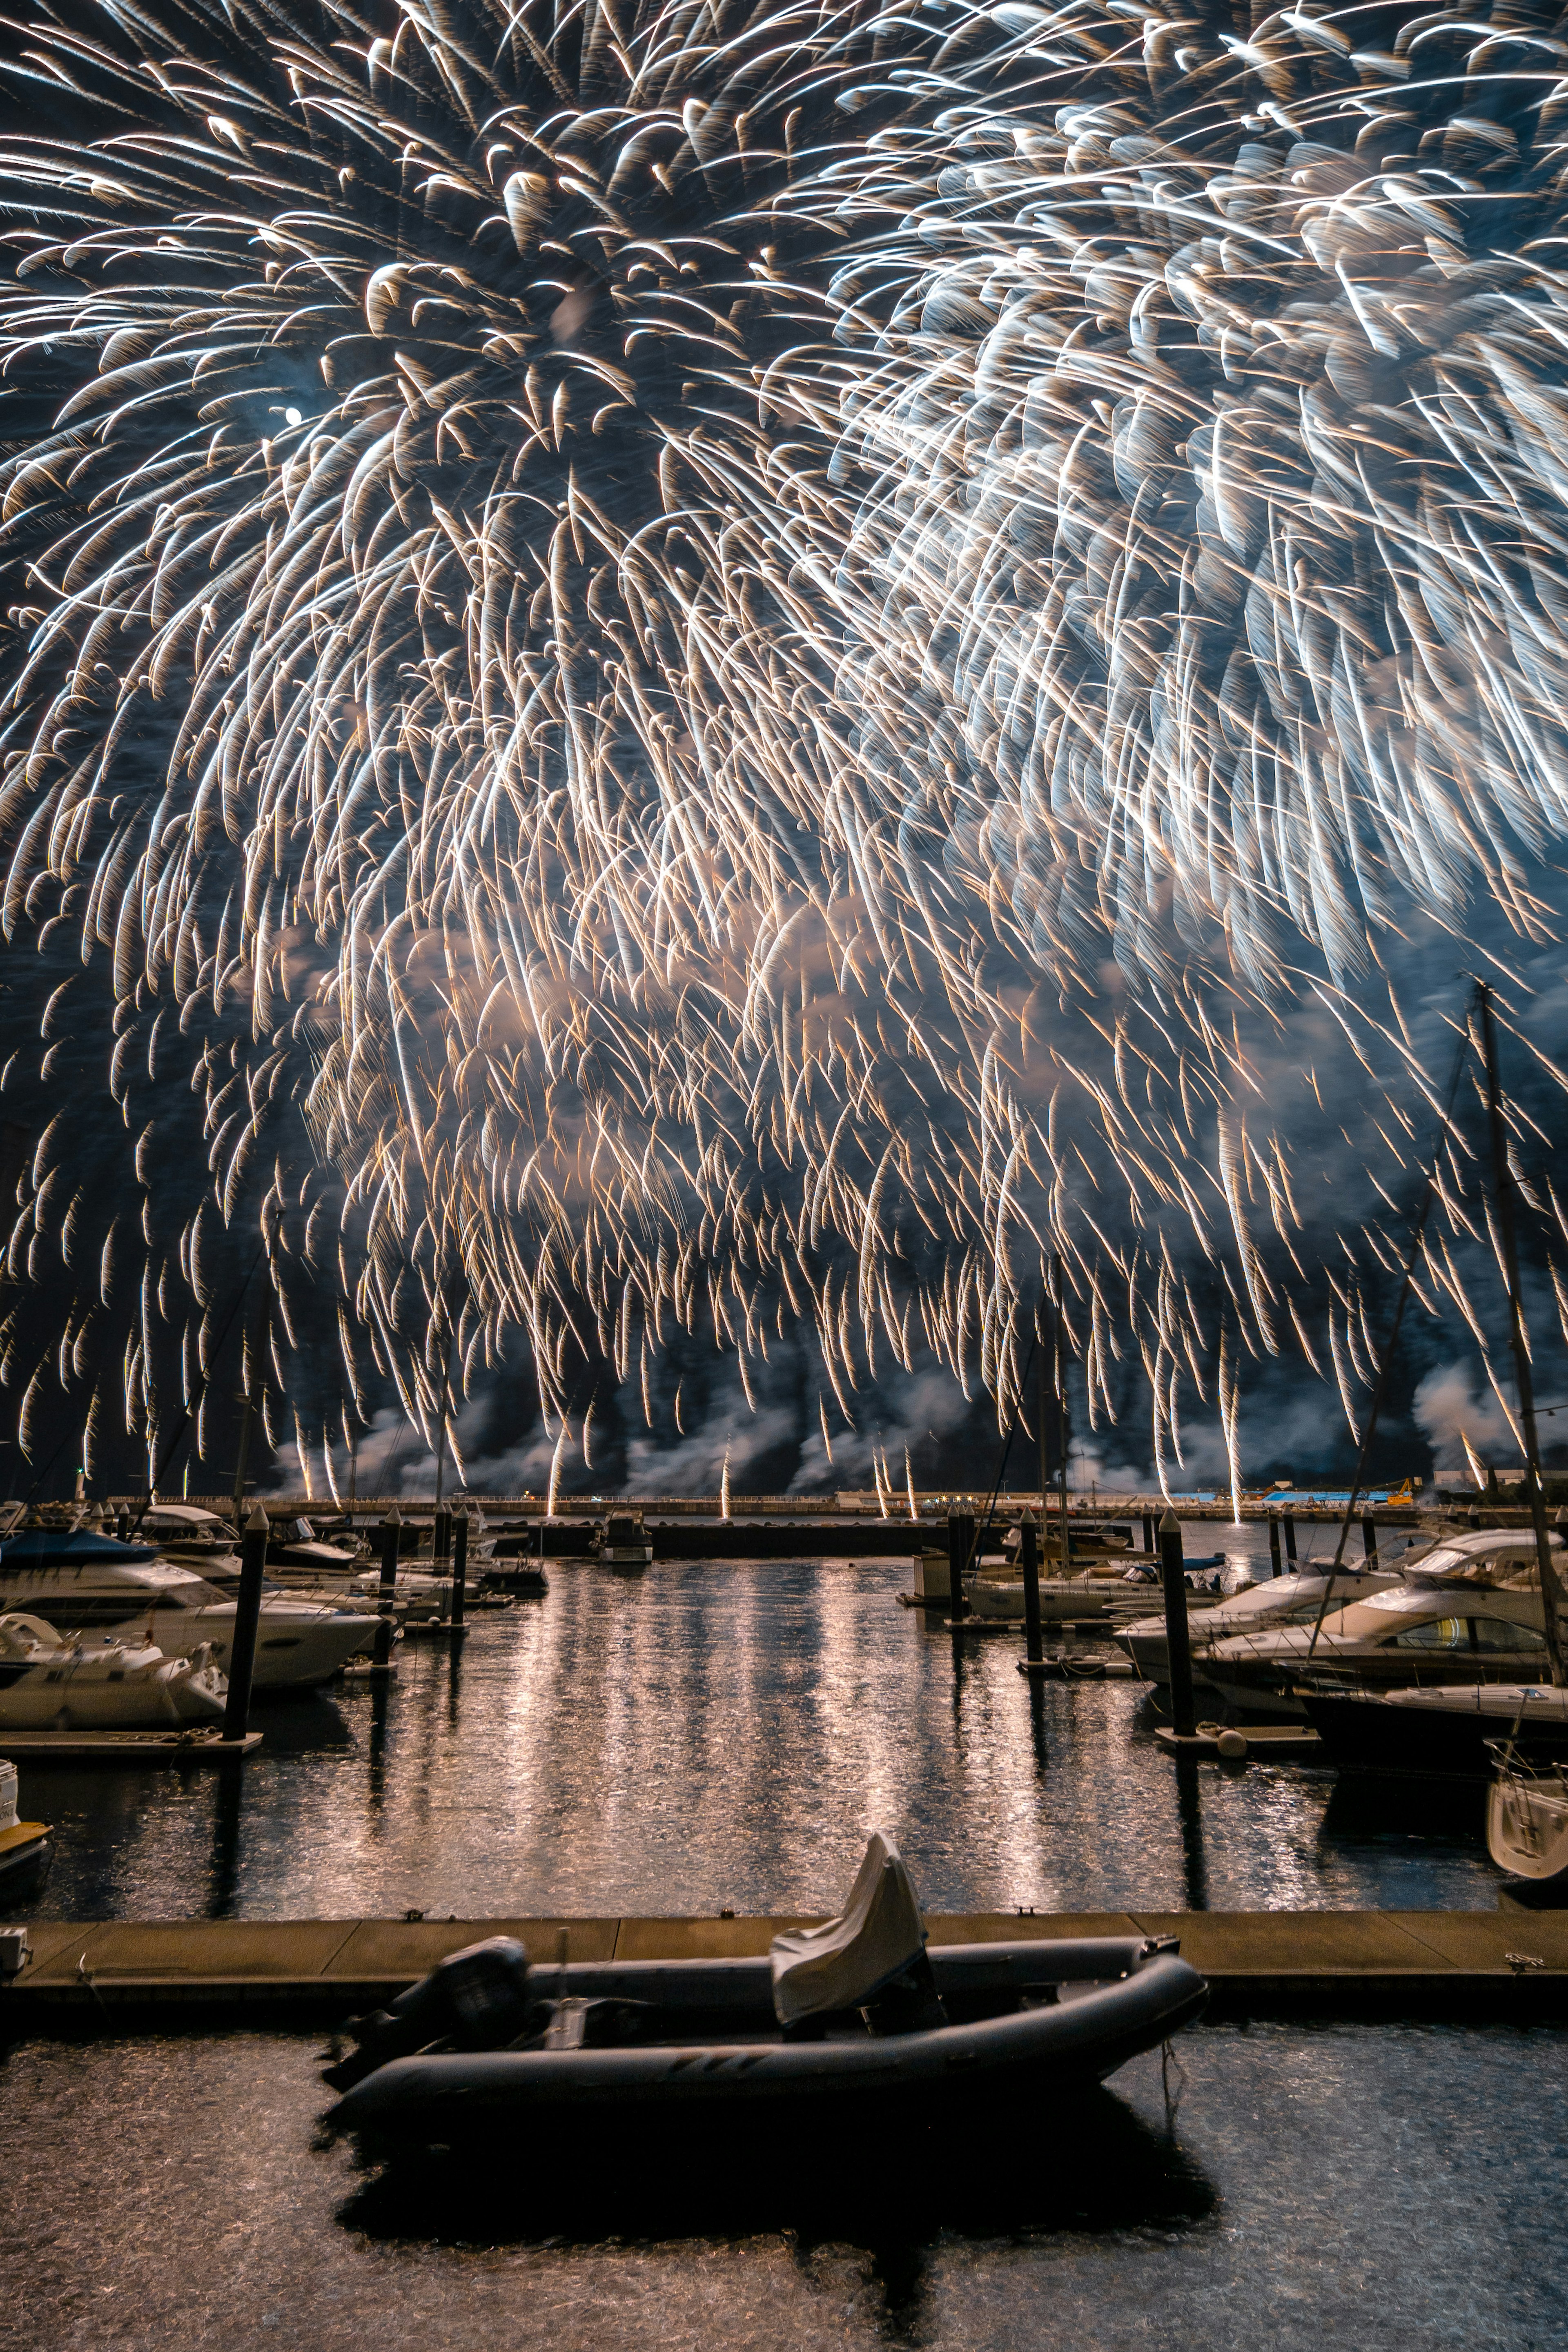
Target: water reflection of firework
point(724, 665)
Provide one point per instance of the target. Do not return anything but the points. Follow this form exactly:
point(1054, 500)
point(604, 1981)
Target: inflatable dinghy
point(853, 2019)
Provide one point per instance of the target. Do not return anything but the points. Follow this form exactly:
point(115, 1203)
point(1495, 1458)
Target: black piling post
point(390, 1532)
point(1274, 1562)
point(1181, 1656)
point(1029, 1554)
point(1369, 1540)
point(247, 1620)
point(960, 1553)
point(459, 1571)
point(1149, 1531)
point(441, 1559)
point(1290, 1535)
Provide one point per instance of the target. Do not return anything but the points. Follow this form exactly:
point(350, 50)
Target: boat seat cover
point(846, 1961)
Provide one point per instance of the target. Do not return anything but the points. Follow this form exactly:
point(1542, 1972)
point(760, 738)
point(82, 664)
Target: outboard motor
point(476, 1999)
point(871, 1957)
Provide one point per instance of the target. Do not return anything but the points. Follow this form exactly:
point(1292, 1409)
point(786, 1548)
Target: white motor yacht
point(1098, 1587)
point(92, 1587)
point(304, 1562)
point(1467, 1611)
point(50, 1681)
point(298, 1559)
point(1283, 1601)
point(188, 1536)
point(310, 1571)
point(1096, 1561)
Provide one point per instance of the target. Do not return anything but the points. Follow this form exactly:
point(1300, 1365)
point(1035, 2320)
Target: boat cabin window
point(190, 1592)
point(1435, 1634)
point(1514, 1571)
point(1495, 1633)
point(1490, 1635)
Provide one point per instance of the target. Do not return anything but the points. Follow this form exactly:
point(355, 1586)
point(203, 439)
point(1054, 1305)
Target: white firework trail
point(728, 663)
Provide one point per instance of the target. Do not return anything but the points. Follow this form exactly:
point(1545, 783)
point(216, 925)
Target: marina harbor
point(783, 1284)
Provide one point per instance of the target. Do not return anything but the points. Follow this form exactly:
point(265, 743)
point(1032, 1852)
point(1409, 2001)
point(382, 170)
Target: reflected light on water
point(712, 1737)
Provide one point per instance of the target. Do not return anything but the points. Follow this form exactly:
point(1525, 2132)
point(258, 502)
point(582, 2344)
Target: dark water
point(1362, 2187)
point(711, 1737)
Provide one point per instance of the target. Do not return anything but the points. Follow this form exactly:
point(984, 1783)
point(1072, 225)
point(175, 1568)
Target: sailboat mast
point(1058, 1373)
point(1503, 1198)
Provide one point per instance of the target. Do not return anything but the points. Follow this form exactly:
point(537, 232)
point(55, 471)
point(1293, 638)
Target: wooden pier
point(1507, 1964)
point(201, 1747)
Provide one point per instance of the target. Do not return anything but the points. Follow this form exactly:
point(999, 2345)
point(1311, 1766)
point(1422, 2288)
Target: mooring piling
point(247, 1621)
point(960, 1554)
point(1174, 1577)
point(391, 1535)
point(1274, 1562)
point(1029, 1555)
point(1369, 1539)
point(441, 1561)
point(459, 1571)
point(1290, 1536)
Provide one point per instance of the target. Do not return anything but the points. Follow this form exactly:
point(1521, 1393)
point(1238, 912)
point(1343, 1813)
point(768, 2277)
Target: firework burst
point(708, 657)
point(1211, 596)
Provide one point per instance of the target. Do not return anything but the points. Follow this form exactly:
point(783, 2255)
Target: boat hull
point(1273, 1687)
point(1064, 1600)
point(1526, 1831)
point(86, 1703)
point(298, 1645)
point(1368, 1732)
point(750, 2079)
point(26, 1851)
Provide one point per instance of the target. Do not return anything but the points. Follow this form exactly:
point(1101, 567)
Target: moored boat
point(26, 1847)
point(1283, 1601)
point(124, 1589)
point(1527, 1825)
point(1446, 1732)
point(1469, 1610)
point(626, 1547)
point(841, 2026)
point(52, 1682)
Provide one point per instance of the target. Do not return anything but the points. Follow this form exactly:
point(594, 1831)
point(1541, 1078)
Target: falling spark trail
point(757, 654)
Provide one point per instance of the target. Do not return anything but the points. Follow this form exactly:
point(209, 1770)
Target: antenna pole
point(1502, 1201)
point(1058, 1371)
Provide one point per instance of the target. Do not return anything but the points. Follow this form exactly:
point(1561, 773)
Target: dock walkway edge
point(1506, 1965)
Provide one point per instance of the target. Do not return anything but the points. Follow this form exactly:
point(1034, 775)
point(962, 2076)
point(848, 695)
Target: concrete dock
point(1509, 1964)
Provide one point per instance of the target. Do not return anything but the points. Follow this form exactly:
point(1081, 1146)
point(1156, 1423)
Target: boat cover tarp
point(846, 1960)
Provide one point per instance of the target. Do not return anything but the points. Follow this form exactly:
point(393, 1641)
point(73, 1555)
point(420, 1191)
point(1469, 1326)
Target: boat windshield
point(190, 1592)
point(1508, 1571)
point(1368, 1619)
point(1410, 1616)
point(1494, 1556)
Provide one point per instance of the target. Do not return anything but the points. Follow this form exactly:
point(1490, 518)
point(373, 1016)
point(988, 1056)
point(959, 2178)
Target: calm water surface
point(1387, 2188)
point(711, 1737)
